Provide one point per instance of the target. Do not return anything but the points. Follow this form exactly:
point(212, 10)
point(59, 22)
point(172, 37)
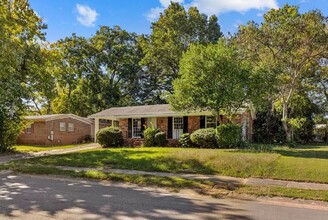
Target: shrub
point(204, 138)
point(110, 137)
point(149, 136)
point(160, 139)
point(185, 141)
point(228, 135)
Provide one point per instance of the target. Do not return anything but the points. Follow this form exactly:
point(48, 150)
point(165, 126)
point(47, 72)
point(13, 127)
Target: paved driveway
point(42, 197)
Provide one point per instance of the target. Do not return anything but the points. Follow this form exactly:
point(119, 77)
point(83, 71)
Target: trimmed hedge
point(160, 139)
point(110, 137)
point(228, 135)
point(204, 138)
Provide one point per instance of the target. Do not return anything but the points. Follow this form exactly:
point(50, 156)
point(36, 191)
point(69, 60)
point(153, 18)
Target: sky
point(84, 17)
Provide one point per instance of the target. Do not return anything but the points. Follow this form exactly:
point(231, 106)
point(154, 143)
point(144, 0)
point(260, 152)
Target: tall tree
point(284, 49)
point(171, 36)
point(211, 78)
point(20, 29)
point(99, 72)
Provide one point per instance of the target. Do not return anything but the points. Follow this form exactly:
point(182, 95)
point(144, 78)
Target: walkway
point(214, 178)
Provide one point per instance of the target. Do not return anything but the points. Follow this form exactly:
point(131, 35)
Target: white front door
point(177, 127)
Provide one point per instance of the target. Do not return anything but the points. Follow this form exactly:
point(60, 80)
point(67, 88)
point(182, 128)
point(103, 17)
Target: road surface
point(42, 197)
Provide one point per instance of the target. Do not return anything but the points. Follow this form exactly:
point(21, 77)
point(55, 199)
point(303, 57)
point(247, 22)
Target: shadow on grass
point(304, 153)
point(144, 160)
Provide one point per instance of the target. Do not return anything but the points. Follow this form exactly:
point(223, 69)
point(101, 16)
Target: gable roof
point(56, 117)
point(162, 110)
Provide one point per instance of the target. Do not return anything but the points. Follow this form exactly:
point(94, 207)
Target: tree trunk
point(285, 122)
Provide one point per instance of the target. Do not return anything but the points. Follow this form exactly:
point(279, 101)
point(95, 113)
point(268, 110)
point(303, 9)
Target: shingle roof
point(57, 116)
point(149, 110)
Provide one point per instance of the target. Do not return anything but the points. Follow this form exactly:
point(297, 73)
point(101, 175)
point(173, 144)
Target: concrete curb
point(214, 178)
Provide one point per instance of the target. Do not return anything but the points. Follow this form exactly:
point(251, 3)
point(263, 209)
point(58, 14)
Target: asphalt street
point(42, 197)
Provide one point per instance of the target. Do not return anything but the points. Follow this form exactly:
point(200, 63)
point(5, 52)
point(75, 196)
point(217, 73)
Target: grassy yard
point(308, 163)
point(31, 148)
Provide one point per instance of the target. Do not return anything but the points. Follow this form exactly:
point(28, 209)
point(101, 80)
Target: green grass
point(30, 148)
point(309, 163)
point(321, 195)
point(173, 183)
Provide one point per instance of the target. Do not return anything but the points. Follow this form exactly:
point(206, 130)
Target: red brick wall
point(41, 131)
point(162, 124)
point(193, 123)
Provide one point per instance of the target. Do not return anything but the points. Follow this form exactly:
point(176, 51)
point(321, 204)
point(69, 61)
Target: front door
point(177, 127)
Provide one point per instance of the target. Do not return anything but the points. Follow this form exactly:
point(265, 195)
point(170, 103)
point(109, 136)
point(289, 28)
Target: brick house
point(59, 129)
point(133, 120)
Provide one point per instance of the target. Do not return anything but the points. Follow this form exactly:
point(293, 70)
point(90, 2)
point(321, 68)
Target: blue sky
point(84, 17)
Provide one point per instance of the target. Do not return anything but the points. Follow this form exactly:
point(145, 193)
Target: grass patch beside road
point(173, 183)
point(307, 164)
point(31, 148)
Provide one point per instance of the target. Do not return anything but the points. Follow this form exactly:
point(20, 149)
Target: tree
point(99, 72)
point(20, 29)
point(171, 36)
point(284, 52)
point(211, 78)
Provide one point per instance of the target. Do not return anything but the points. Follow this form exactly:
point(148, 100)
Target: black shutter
point(202, 121)
point(169, 127)
point(185, 124)
point(130, 128)
point(218, 121)
point(143, 125)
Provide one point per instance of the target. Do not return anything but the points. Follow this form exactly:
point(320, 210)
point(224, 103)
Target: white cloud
point(86, 15)
point(216, 6)
point(154, 13)
point(221, 6)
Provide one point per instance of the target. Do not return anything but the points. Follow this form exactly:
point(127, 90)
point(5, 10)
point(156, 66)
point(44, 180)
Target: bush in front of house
point(110, 137)
point(204, 138)
point(228, 135)
point(160, 139)
point(149, 136)
point(184, 140)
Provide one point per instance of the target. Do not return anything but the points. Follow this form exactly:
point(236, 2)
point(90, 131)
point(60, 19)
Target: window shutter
point(130, 128)
point(143, 124)
point(169, 127)
point(185, 124)
point(218, 121)
point(202, 121)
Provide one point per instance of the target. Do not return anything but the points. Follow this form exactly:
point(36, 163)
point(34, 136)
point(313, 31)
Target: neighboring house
point(133, 120)
point(56, 129)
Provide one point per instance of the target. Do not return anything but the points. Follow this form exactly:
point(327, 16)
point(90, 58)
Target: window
point(71, 127)
point(178, 123)
point(28, 130)
point(116, 124)
point(211, 122)
point(62, 126)
point(136, 128)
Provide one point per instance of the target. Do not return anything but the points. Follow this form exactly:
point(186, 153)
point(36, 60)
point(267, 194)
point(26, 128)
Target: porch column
point(96, 128)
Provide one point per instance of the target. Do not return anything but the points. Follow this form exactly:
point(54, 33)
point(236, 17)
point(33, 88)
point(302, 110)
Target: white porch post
point(96, 128)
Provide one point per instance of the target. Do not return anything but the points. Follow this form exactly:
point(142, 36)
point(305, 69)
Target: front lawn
point(32, 148)
point(305, 164)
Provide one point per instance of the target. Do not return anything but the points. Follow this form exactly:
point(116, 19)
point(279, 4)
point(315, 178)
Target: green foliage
point(171, 36)
point(211, 78)
point(185, 141)
point(228, 135)
point(204, 138)
point(284, 53)
point(20, 57)
point(149, 136)
point(160, 139)
point(110, 137)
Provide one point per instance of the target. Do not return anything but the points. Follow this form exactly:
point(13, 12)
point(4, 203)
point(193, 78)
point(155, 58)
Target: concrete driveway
point(43, 197)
